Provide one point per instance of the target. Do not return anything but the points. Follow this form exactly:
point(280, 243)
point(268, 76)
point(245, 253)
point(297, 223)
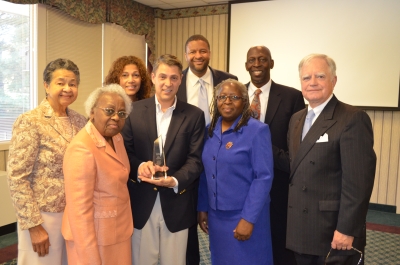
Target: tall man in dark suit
point(196, 88)
point(277, 104)
point(332, 171)
point(163, 209)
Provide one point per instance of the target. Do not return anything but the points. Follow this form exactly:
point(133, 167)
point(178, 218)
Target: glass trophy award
point(159, 158)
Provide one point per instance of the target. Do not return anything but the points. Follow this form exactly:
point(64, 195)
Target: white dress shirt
point(163, 121)
point(318, 109)
point(193, 87)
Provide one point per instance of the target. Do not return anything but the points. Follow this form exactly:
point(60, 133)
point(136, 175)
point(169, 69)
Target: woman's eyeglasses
point(111, 112)
point(232, 98)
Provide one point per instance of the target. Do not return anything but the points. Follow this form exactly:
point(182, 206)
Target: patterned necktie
point(203, 101)
point(308, 123)
point(256, 105)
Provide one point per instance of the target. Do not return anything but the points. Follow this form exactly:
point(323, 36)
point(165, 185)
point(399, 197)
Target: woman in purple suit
point(234, 187)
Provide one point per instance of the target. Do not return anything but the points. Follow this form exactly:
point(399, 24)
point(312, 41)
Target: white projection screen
point(362, 36)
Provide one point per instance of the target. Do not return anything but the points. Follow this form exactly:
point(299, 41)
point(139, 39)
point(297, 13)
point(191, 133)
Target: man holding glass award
point(163, 138)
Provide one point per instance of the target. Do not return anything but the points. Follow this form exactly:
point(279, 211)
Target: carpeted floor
point(383, 242)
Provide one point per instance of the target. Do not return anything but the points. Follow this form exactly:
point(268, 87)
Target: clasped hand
point(148, 169)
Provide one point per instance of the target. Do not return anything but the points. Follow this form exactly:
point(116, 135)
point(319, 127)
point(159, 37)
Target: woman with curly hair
point(131, 74)
point(233, 204)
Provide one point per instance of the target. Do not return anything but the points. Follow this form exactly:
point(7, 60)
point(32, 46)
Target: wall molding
point(191, 12)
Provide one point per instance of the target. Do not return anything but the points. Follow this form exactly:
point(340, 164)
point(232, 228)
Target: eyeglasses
point(111, 112)
point(232, 98)
point(359, 251)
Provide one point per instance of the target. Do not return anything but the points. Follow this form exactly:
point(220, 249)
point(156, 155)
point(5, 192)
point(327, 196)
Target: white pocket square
point(323, 138)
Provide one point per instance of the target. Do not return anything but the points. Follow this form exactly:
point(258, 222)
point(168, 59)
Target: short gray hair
point(57, 64)
point(91, 101)
point(331, 63)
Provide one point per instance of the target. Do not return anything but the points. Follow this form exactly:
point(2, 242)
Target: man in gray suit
point(198, 82)
point(332, 170)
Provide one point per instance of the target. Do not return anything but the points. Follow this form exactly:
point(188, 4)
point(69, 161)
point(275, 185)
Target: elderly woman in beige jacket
point(97, 223)
point(35, 177)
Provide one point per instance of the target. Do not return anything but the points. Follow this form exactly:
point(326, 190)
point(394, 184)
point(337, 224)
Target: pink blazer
point(98, 211)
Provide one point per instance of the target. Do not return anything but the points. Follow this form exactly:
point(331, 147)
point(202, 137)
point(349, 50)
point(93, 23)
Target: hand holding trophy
point(155, 172)
point(159, 159)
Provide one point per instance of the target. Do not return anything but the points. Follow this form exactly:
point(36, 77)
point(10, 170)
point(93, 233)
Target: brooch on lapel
point(229, 145)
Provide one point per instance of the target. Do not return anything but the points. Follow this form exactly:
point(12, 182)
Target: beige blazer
point(98, 211)
point(35, 175)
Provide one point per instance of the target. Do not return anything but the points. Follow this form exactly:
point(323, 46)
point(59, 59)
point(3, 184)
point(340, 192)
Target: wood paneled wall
point(171, 35)
point(386, 125)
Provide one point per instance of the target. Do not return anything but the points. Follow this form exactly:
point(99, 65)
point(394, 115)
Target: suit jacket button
point(290, 184)
point(312, 162)
point(155, 188)
point(305, 210)
point(304, 188)
point(213, 157)
point(213, 177)
point(214, 194)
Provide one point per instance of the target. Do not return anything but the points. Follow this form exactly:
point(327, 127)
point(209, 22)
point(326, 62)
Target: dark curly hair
point(117, 67)
point(246, 114)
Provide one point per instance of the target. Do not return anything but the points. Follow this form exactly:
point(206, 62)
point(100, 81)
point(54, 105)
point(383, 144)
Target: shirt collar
point(193, 79)
point(158, 105)
point(218, 125)
point(318, 109)
point(265, 88)
point(97, 138)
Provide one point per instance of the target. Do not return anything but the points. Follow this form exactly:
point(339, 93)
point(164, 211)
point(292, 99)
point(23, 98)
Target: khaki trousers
point(156, 240)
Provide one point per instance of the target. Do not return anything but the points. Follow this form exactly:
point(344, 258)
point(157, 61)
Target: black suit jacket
point(283, 102)
point(218, 77)
point(330, 182)
point(182, 148)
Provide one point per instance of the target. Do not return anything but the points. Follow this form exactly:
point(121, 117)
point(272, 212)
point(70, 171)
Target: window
point(15, 65)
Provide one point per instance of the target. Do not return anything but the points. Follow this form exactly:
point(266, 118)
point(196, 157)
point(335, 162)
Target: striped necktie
point(256, 104)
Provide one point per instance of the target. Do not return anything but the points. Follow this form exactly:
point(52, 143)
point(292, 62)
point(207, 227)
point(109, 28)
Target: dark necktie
point(256, 104)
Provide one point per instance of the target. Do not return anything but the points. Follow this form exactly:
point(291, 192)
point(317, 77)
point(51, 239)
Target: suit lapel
point(216, 78)
point(150, 119)
point(181, 94)
point(274, 100)
point(58, 127)
point(177, 119)
point(321, 125)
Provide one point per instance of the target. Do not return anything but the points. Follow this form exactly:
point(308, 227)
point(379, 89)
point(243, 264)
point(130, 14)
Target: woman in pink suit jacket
point(97, 223)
